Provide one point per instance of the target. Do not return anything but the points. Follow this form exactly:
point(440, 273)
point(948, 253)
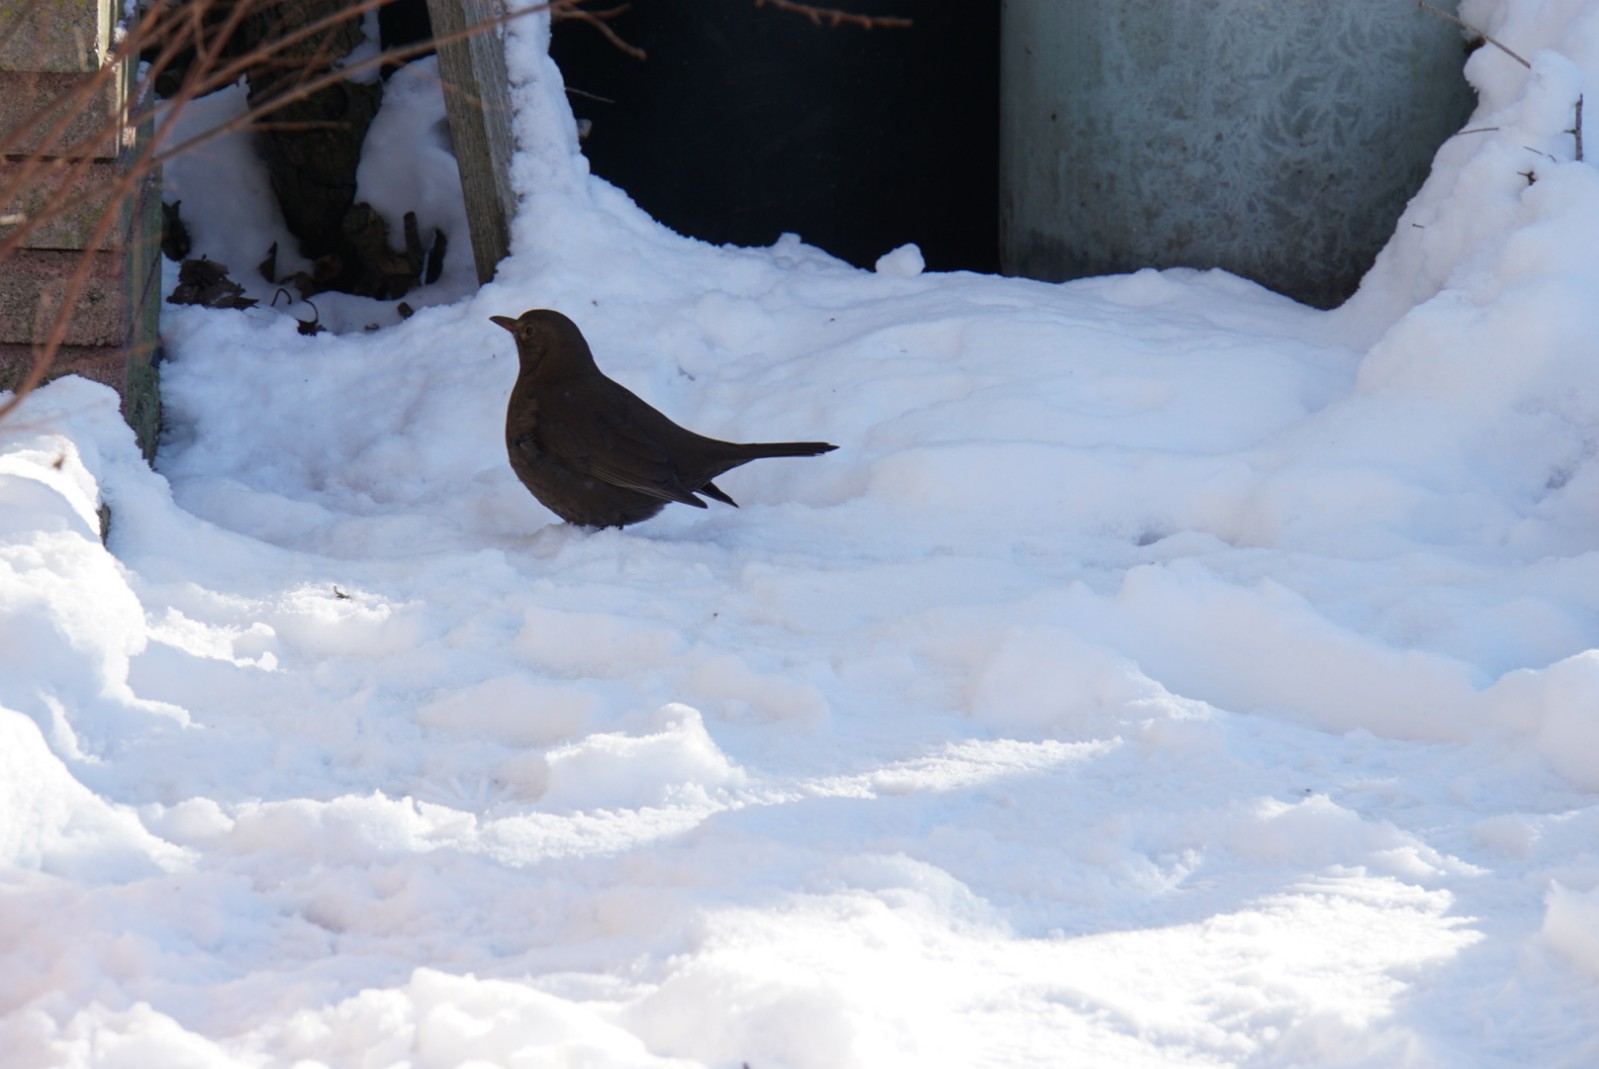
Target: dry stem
point(1576, 128)
point(833, 18)
point(597, 19)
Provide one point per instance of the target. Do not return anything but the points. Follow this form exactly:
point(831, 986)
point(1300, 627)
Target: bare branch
point(833, 18)
point(597, 19)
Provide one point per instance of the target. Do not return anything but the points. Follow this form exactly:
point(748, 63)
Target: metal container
point(1277, 140)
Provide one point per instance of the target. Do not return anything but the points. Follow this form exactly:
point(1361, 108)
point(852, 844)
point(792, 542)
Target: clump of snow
point(1160, 673)
point(903, 262)
point(407, 165)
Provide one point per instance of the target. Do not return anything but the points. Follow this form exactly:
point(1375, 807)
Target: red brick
point(80, 200)
point(102, 363)
point(56, 35)
point(33, 283)
point(33, 103)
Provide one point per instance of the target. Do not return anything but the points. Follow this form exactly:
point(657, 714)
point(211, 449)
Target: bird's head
point(546, 341)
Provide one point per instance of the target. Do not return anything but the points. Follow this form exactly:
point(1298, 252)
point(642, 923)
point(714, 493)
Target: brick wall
point(52, 50)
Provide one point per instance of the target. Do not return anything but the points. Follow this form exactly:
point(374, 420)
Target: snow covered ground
point(1161, 673)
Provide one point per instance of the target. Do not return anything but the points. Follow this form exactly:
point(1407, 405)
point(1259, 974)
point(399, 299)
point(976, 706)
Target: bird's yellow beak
point(503, 321)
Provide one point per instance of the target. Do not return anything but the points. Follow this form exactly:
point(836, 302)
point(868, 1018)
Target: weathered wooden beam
point(477, 103)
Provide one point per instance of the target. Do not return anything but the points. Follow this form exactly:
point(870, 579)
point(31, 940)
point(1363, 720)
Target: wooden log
point(478, 106)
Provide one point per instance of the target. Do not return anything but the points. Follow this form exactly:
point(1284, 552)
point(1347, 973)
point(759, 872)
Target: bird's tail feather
point(756, 450)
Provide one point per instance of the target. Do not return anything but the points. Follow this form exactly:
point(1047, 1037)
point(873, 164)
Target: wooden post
point(477, 103)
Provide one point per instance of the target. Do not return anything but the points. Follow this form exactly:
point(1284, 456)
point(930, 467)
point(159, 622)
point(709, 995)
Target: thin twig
point(833, 18)
point(597, 20)
point(608, 13)
point(1469, 27)
point(572, 90)
point(1576, 128)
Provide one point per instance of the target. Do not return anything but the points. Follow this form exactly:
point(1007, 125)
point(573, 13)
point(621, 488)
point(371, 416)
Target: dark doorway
point(745, 122)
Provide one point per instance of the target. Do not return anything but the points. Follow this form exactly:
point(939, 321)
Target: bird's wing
point(612, 448)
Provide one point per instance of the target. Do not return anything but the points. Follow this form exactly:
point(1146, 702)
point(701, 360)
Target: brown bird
point(591, 450)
